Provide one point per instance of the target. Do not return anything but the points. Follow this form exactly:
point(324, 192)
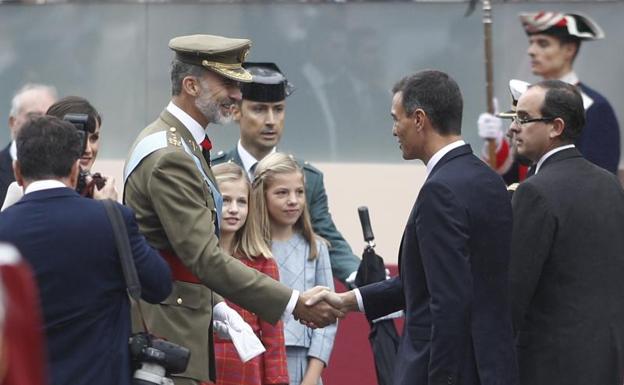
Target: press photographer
point(75, 109)
point(69, 242)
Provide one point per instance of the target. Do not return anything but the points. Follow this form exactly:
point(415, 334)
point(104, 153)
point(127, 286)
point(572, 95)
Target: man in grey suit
point(567, 258)
point(260, 115)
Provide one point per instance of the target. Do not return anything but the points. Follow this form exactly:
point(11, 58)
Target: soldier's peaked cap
point(559, 24)
point(222, 55)
point(268, 85)
point(516, 89)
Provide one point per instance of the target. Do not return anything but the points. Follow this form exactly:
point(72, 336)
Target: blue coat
point(453, 280)
point(68, 241)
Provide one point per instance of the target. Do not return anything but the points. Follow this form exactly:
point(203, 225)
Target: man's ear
point(419, 116)
point(557, 128)
point(190, 85)
point(17, 171)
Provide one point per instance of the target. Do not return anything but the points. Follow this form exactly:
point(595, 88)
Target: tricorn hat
point(268, 85)
point(561, 24)
point(220, 54)
point(516, 88)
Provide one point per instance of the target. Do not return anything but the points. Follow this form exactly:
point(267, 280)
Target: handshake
point(319, 306)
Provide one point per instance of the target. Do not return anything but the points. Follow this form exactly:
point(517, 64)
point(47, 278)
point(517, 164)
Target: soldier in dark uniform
point(170, 186)
point(554, 41)
point(260, 115)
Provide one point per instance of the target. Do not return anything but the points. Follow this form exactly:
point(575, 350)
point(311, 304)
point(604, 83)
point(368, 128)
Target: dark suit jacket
point(343, 261)
point(453, 281)
point(68, 240)
point(6, 172)
point(567, 270)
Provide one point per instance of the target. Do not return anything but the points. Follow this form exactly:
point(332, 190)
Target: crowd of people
point(236, 253)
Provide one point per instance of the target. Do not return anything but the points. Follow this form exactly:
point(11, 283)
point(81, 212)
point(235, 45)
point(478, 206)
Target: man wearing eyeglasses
point(554, 41)
point(567, 252)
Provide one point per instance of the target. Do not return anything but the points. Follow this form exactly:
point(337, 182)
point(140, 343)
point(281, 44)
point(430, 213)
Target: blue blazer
point(453, 281)
point(68, 241)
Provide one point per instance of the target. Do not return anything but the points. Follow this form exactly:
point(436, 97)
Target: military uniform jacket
point(343, 261)
point(176, 213)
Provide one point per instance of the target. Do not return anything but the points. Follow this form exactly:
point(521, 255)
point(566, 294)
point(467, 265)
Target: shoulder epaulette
point(173, 138)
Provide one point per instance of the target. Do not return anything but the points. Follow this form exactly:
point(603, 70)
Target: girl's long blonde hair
point(245, 243)
point(260, 225)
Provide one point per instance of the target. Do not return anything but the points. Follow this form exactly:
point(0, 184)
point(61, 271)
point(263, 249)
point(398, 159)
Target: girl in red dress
point(271, 366)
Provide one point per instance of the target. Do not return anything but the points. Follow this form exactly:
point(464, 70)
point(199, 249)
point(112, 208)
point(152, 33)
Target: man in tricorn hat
point(554, 42)
point(260, 115)
point(169, 184)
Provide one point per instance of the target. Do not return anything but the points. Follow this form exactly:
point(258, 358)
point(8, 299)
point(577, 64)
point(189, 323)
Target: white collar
point(13, 150)
point(247, 159)
point(571, 78)
point(551, 153)
point(44, 184)
point(440, 153)
point(198, 132)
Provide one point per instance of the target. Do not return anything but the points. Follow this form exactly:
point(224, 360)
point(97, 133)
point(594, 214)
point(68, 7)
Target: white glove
point(225, 317)
point(490, 127)
point(230, 325)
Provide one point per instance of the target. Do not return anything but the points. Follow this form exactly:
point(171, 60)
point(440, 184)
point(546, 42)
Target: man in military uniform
point(260, 115)
point(170, 185)
point(554, 41)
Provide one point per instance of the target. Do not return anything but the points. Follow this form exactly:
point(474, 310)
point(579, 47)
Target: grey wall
point(343, 58)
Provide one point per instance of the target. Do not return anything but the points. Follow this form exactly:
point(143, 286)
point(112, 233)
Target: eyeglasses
point(520, 121)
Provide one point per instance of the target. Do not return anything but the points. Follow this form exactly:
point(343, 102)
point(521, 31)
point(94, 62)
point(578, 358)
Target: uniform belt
point(178, 270)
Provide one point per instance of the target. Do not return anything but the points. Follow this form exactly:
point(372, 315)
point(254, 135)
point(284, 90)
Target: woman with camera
point(86, 118)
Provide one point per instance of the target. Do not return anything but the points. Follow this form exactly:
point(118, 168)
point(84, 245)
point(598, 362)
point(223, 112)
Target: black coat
point(567, 274)
point(6, 172)
point(453, 281)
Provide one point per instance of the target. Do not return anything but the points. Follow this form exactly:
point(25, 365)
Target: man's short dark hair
point(563, 100)
point(438, 95)
point(180, 70)
point(47, 148)
point(76, 105)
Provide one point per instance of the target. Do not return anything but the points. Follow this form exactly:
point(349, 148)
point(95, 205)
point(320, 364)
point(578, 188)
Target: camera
point(83, 187)
point(154, 359)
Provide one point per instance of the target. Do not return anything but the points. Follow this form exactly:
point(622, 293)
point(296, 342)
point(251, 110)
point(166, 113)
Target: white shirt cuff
point(290, 307)
point(360, 301)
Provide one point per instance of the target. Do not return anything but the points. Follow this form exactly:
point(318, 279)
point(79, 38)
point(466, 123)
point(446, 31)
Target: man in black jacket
point(567, 258)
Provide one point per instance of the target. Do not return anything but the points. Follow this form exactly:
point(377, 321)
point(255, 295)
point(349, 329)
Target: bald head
point(31, 99)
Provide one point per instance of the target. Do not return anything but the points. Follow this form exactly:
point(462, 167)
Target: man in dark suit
point(31, 99)
point(454, 256)
point(68, 240)
point(260, 114)
point(567, 258)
